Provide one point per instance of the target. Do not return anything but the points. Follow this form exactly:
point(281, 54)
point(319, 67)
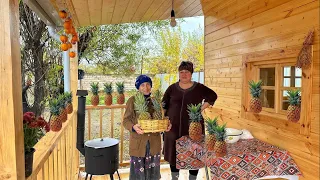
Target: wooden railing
point(112, 120)
point(56, 156)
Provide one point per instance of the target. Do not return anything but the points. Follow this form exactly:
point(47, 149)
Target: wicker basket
point(154, 125)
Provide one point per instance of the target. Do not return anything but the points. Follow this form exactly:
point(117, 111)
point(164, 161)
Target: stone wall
point(128, 81)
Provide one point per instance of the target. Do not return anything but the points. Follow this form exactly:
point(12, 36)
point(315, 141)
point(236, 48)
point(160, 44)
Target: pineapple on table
point(63, 110)
point(255, 91)
point(195, 128)
point(95, 93)
point(293, 113)
point(68, 96)
point(120, 89)
point(55, 121)
point(157, 104)
point(108, 90)
point(141, 107)
point(210, 140)
point(220, 147)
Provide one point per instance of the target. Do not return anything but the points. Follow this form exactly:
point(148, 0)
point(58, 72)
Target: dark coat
point(175, 103)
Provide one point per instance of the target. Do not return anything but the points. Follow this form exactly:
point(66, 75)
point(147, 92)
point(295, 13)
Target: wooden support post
point(74, 87)
point(11, 129)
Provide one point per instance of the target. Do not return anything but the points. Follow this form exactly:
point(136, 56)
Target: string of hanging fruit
point(69, 31)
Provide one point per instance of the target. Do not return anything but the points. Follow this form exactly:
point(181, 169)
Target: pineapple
point(95, 91)
point(294, 98)
point(156, 101)
point(108, 90)
point(120, 89)
point(55, 121)
point(140, 105)
point(63, 110)
point(255, 91)
point(195, 128)
point(68, 96)
point(211, 125)
point(220, 147)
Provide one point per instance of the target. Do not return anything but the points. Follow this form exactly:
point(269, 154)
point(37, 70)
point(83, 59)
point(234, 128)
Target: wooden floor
point(165, 174)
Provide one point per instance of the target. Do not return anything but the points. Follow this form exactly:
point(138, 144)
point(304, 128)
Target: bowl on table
point(232, 135)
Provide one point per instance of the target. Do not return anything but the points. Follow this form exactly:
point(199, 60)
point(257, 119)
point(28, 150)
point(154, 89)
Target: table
point(245, 159)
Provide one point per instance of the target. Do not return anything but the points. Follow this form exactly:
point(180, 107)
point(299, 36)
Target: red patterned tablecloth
point(245, 159)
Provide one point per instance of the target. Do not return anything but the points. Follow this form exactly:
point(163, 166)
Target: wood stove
point(101, 155)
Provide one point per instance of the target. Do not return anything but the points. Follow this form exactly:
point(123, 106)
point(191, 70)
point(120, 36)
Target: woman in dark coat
point(175, 101)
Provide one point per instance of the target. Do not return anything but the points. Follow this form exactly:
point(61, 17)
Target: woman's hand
point(138, 129)
point(204, 106)
point(169, 127)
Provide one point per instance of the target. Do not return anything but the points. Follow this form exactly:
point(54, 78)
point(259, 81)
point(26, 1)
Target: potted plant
point(34, 129)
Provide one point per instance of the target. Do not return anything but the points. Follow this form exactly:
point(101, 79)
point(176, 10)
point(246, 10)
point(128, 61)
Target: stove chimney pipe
point(81, 119)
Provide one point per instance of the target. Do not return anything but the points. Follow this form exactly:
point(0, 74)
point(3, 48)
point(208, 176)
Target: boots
point(174, 175)
point(192, 177)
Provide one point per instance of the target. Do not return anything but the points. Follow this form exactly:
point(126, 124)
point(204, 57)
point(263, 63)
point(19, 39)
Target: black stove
point(102, 154)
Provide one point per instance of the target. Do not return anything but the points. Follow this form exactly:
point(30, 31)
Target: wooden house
point(244, 40)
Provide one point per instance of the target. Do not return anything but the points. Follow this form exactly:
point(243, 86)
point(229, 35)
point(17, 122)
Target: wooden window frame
point(276, 117)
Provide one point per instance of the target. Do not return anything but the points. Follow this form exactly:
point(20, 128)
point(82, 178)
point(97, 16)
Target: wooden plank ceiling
point(98, 12)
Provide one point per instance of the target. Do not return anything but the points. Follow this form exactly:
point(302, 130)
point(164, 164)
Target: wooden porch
point(262, 31)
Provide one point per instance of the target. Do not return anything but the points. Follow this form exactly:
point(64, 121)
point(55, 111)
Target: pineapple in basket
point(55, 121)
point(220, 147)
point(120, 89)
point(156, 101)
point(63, 110)
point(255, 91)
point(95, 93)
point(210, 140)
point(68, 96)
point(195, 128)
point(294, 98)
point(140, 105)
point(108, 90)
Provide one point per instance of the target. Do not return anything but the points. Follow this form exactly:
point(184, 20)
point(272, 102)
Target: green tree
point(173, 47)
point(118, 49)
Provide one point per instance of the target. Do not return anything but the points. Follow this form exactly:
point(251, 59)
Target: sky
point(192, 23)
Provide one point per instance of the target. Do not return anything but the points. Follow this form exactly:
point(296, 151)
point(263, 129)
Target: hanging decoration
point(70, 37)
point(173, 21)
point(305, 55)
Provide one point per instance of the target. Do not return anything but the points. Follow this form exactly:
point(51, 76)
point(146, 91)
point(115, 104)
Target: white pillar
point(65, 59)
point(66, 70)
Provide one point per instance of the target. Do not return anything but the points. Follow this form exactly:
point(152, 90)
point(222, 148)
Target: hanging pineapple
point(195, 128)
point(156, 101)
point(210, 140)
point(255, 91)
point(141, 106)
point(120, 89)
point(220, 147)
point(55, 121)
point(63, 110)
point(293, 113)
point(108, 90)
point(95, 93)
point(68, 96)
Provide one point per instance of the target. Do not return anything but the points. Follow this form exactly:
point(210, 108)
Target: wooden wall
point(234, 28)
point(11, 136)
